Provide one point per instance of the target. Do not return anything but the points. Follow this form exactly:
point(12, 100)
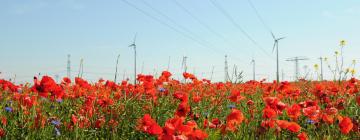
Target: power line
point(167, 25)
point(174, 22)
point(231, 19)
point(259, 16)
point(204, 25)
point(97, 73)
point(205, 42)
point(200, 22)
point(201, 43)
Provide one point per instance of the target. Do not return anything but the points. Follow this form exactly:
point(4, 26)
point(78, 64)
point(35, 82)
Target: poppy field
point(165, 108)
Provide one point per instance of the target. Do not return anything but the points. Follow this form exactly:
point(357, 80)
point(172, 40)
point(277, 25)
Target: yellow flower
point(336, 53)
point(316, 66)
point(353, 72)
point(342, 43)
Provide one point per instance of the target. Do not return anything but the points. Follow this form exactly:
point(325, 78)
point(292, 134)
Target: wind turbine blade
point(272, 34)
point(274, 46)
point(281, 38)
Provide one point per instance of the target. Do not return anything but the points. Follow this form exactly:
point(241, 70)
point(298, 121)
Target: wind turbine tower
point(276, 45)
point(133, 45)
point(321, 69)
point(253, 68)
point(68, 66)
point(116, 69)
point(226, 70)
point(81, 68)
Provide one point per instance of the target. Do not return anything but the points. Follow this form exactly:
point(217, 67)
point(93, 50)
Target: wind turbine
point(253, 67)
point(116, 69)
point(133, 45)
point(276, 44)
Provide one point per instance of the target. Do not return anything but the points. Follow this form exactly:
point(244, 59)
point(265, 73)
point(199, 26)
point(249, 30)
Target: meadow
point(165, 108)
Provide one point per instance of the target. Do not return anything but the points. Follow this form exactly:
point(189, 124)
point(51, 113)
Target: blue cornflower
point(231, 106)
point(310, 121)
point(55, 122)
point(162, 89)
point(8, 109)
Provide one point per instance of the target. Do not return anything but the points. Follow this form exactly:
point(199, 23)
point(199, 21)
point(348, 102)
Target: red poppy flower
point(171, 125)
point(312, 112)
point(271, 101)
point(182, 96)
point(100, 122)
point(148, 125)
point(250, 102)
point(188, 76)
point(331, 111)
point(294, 112)
point(206, 123)
point(294, 127)
point(198, 135)
point(280, 106)
point(6, 85)
point(2, 133)
point(74, 119)
point(3, 120)
point(302, 136)
point(268, 123)
point(82, 83)
point(66, 80)
point(268, 112)
point(46, 86)
point(215, 121)
point(233, 119)
point(182, 110)
point(345, 125)
point(282, 124)
point(185, 129)
point(340, 104)
point(196, 98)
point(165, 75)
point(329, 119)
point(235, 96)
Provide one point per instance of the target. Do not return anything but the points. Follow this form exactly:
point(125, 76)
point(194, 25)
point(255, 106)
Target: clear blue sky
point(37, 35)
